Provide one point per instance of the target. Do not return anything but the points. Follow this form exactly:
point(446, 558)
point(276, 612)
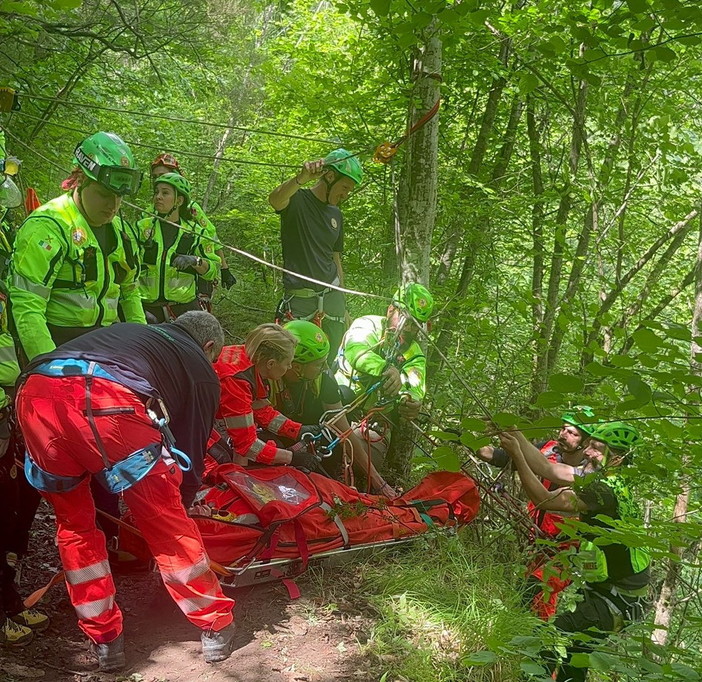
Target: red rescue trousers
point(59, 438)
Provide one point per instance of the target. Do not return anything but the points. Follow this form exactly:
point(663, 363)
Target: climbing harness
point(284, 312)
point(118, 476)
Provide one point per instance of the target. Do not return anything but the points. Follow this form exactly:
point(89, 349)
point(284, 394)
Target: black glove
point(228, 280)
point(183, 262)
point(305, 461)
point(312, 429)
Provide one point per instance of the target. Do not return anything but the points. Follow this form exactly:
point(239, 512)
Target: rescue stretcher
point(273, 523)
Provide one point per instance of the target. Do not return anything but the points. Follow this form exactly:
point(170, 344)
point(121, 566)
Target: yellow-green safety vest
point(159, 281)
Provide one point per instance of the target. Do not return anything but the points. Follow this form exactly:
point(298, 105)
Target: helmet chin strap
point(328, 184)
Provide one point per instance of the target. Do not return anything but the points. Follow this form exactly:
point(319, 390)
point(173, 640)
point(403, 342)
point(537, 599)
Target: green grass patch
point(442, 605)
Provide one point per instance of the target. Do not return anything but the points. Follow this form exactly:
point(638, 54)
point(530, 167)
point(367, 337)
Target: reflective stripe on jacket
point(59, 275)
point(244, 404)
point(159, 281)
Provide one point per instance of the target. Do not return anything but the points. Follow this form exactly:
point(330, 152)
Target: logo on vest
point(334, 224)
point(78, 236)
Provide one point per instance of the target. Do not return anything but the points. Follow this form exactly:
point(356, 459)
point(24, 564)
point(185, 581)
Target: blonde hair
point(269, 341)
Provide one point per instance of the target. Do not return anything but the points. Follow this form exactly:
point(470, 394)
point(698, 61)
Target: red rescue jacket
point(244, 405)
point(548, 522)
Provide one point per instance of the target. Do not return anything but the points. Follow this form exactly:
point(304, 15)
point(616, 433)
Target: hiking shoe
point(14, 634)
point(217, 646)
point(110, 656)
point(32, 619)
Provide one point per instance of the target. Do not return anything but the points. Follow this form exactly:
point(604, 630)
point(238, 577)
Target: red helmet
point(167, 160)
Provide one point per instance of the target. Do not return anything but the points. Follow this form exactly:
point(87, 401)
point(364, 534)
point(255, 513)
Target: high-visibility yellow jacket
point(60, 275)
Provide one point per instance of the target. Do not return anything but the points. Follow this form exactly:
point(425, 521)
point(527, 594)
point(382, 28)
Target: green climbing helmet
point(179, 184)
point(312, 342)
point(106, 158)
point(415, 299)
point(345, 163)
point(618, 436)
point(575, 416)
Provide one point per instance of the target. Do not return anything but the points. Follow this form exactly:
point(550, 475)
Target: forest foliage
point(564, 246)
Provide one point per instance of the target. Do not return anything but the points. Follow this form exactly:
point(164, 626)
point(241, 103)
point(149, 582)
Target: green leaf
point(662, 53)
point(639, 389)
point(473, 424)
point(67, 4)
point(532, 668)
point(480, 658)
point(549, 399)
point(446, 458)
point(637, 6)
point(380, 7)
point(506, 419)
point(566, 383)
point(622, 361)
point(528, 82)
point(646, 339)
point(580, 660)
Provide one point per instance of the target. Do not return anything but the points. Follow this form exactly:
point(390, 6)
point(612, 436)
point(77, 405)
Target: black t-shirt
point(310, 232)
point(161, 361)
point(306, 405)
point(601, 498)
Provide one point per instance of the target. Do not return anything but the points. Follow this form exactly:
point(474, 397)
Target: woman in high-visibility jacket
point(174, 252)
point(74, 264)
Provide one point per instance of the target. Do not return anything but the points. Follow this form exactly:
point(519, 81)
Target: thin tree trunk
point(537, 219)
point(416, 205)
point(477, 157)
point(665, 604)
point(541, 371)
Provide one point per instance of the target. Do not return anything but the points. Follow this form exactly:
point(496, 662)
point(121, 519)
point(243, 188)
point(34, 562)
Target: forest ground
point(316, 638)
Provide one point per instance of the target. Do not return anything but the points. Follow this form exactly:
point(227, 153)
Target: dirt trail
point(312, 639)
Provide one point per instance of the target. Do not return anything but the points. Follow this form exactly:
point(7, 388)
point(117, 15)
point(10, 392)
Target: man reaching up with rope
point(312, 235)
point(377, 348)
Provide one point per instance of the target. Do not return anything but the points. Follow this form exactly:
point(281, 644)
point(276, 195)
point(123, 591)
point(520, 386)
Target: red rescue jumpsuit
point(59, 438)
point(244, 404)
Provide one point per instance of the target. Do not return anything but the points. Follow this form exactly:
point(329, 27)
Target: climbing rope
point(217, 242)
point(385, 151)
point(175, 119)
point(179, 152)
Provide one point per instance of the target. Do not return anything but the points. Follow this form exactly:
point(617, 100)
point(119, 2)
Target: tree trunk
point(665, 605)
point(545, 332)
point(477, 156)
point(416, 205)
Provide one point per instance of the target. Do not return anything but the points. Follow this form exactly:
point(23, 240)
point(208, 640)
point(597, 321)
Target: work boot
point(110, 656)
point(33, 619)
point(14, 634)
point(217, 646)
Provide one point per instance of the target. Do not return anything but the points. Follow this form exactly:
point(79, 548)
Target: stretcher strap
point(339, 524)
